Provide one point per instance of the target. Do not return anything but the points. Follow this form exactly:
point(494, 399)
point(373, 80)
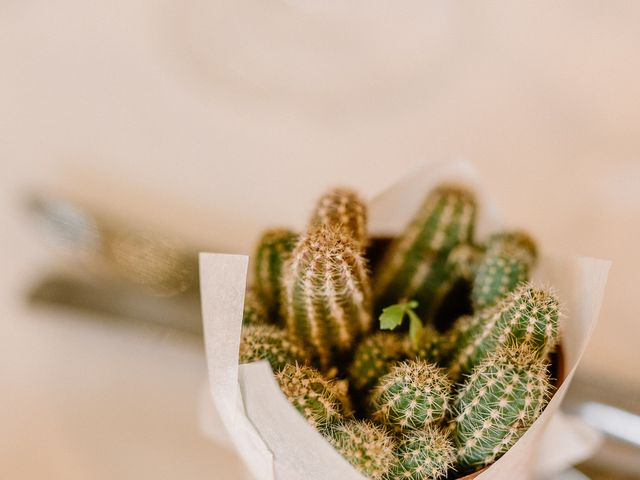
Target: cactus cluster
point(431, 399)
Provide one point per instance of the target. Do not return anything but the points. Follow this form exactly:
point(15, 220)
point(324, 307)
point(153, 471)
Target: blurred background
point(205, 121)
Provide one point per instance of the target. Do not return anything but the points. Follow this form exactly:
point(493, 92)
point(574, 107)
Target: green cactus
point(373, 358)
point(463, 260)
point(423, 455)
point(498, 274)
point(432, 347)
point(254, 312)
point(342, 208)
point(416, 264)
point(327, 294)
point(501, 399)
point(365, 445)
point(515, 243)
point(320, 401)
point(270, 343)
point(412, 395)
point(273, 250)
point(527, 315)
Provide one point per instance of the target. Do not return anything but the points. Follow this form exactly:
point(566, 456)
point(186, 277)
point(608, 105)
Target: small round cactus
point(374, 357)
point(528, 316)
point(365, 445)
point(496, 276)
point(254, 312)
point(415, 265)
point(412, 395)
point(327, 297)
point(273, 250)
point(423, 455)
point(342, 208)
point(498, 402)
point(319, 400)
point(268, 342)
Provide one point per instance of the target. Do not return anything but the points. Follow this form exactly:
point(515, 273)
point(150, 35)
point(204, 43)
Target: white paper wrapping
point(274, 440)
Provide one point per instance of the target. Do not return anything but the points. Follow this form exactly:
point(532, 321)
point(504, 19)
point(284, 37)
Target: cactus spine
point(412, 395)
point(367, 446)
point(515, 243)
point(423, 455)
point(319, 400)
point(273, 250)
point(526, 316)
point(503, 396)
point(415, 265)
point(463, 261)
point(270, 343)
point(497, 275)
point(342, 208)
point(374, 357)
point(327, 294)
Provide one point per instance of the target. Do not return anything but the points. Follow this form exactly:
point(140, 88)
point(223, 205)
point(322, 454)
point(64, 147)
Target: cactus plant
point(374, 357)
point(412, 395)
point(342, 208)
point(270, 343)
point(254, 312)
point(367, 446)
point(498, 274)
point(498, 402)
point(516, 243)
point(320, 401)
point(423, 455)
point(273, 250)
point(327, 294)
point(416, 264)
point(463, 260)
point(432, 347)
point(528, 315)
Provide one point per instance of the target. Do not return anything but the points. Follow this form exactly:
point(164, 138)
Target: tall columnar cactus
point(416, 264)
point(423, 455)
point(515, 243)
point(501, 399)
point(254, 312)
point(273, 250)
point(498, 274)
point(342, 208)
point(270, 343)
point(327, 294)
point(412, 395)
point(367, 446)
point(526, 316)
point(320, 401)
point(373, 358)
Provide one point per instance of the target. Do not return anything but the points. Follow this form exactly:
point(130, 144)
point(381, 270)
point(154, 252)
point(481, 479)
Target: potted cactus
point(378, 366)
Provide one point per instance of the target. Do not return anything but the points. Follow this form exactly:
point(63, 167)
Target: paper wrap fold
point(247, 410)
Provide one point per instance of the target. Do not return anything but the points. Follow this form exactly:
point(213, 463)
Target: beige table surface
point(169, 113)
